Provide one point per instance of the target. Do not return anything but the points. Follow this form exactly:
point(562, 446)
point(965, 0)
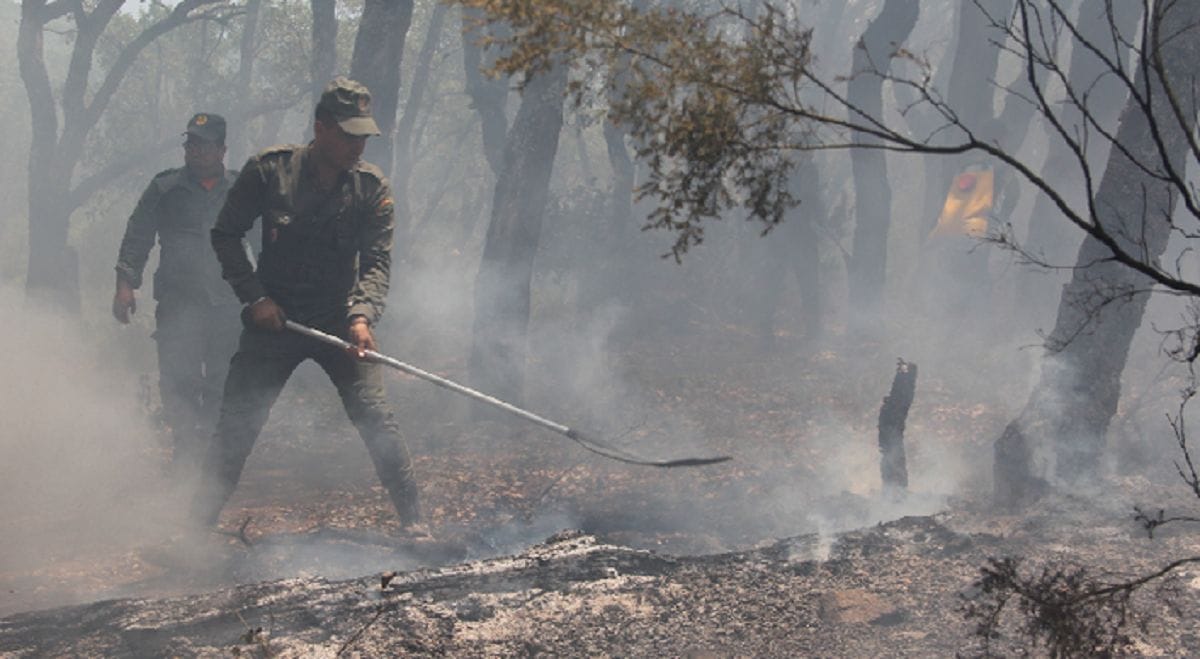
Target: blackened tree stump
point(892, 417)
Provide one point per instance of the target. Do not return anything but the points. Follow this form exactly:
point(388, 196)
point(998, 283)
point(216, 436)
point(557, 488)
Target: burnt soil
point(539, 547)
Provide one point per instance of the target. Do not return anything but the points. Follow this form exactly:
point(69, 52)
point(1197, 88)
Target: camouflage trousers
point(258, 372)
point(195, 341)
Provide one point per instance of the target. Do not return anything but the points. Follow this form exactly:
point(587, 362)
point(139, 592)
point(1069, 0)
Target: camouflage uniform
point(196, 317)
point(326, 257)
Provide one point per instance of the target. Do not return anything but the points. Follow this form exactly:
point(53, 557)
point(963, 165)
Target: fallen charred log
point(894, 589)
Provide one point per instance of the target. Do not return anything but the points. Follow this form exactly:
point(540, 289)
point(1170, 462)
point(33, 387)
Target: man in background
point(196, 316)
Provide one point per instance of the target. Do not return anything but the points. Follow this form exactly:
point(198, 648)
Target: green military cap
point(207, 126)
point(350, 104)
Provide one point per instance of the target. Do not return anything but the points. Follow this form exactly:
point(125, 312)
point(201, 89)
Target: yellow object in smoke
point(968, 204)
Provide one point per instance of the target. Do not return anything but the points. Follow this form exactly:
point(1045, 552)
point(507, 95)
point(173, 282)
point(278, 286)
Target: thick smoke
point(711, 356)
point(82, 466)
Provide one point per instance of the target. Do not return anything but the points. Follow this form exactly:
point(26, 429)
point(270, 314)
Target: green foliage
point(710, 101)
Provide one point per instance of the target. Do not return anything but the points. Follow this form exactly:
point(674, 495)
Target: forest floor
point(789, 549)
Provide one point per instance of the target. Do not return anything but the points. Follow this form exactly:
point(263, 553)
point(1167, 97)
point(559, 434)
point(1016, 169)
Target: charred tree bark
point(1014, 482)
point(502, 287)
point(893, 466)
point(1102, 306)
point(872, 194)
point(53, 272)
point(378, 51)
point(324, 45)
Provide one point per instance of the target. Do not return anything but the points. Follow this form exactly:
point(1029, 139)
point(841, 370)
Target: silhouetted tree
point(502, 287)
point(872, 193)
point(62, 119)
point(1131, 217)
point(378, 51)
point(413, 105)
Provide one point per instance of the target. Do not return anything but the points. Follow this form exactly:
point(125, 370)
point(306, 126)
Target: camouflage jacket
point(180, 212)
point(326, 255)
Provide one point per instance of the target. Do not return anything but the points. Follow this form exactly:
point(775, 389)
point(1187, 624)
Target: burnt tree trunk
point(872, 194)
point(1050, 235)
point(893, 414)
point(1102, 306)
point(502, 287)
point(378, 51)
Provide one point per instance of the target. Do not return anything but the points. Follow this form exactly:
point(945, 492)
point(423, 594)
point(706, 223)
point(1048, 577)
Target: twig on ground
point(240, 534)
point(350, 641)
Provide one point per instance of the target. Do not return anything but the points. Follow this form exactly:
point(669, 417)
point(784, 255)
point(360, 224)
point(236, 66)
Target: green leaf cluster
point(710, 100)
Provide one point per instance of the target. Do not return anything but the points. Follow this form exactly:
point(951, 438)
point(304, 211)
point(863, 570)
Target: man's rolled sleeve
point(369, 295)
point(242, 206)
point(139, 237)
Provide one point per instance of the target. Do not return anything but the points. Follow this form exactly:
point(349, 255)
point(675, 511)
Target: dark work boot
point(408, 507)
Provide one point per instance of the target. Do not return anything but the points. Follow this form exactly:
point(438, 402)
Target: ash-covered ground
point(538, 547)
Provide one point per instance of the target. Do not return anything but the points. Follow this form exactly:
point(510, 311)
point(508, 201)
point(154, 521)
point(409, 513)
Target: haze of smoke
point(80, 466)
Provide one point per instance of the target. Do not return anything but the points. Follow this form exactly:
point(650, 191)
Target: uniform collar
point(191, 176)
point(308, 170)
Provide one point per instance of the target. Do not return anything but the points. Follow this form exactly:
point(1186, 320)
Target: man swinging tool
point(586, 441)
point(327, 227)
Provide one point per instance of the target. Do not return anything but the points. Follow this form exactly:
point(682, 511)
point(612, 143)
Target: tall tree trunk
point(324, 45)
point(872, 193)
point(806, 260)
point(1102, 306)
point(199, 68)
point(378, 51)
point(610, 261)
point(49, 253)
point(239, 137)
point(1050, 235)
point(402, 170)
point(489, 96)
point(791, 247)
point(502, 287)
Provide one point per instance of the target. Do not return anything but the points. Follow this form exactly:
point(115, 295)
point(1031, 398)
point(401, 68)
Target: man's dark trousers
point(257, 374)
point(195, 341)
